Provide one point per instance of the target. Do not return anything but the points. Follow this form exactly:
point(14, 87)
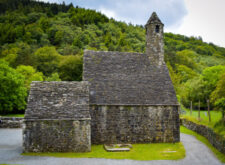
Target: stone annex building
point(123, 98)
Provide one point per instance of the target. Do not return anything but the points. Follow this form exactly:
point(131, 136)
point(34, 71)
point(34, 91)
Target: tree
point(219, 92)
point(70, 68)
point(185, 57)
point(46, 60)
point(193, 90)
point(30, 74)
point(53, 77)
point(218, 95)
point(176, 79)
point(13, 91)
point(220, 103)
point(185, 73)
point(210, 77)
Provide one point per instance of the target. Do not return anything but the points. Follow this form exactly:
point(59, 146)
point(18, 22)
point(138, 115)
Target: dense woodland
point(45, 42)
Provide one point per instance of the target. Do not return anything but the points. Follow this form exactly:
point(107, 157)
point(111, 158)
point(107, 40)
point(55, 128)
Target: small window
point(157, 28)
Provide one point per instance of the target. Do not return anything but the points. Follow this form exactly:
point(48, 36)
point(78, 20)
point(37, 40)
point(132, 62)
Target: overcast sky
point(205, 18)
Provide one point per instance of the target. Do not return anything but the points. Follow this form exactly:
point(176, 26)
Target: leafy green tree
point(44, 23)
point(46, 60)
point(35, 33)
point(30, 74)
point(185, 57)
point(218, 95)
point(193, 90)
point(13, 91)
point(70, 68)
point(53, 77)
point(10, 55)
point(24, 54)
point(176, 79)
point(220, 103)
point(210, 77)
point(185, 73)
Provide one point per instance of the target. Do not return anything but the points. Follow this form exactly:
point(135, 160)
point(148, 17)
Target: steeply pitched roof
point(58, 100)
point(154, 19)
point(117, 78)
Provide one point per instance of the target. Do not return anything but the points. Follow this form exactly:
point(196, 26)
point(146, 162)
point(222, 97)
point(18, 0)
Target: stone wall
point(57, 118)
point(216, 140)
point(134, 124)
point(57, 136)
point(11, 122)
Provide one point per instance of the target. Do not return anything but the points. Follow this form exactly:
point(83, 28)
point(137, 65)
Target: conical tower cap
point(154, 19)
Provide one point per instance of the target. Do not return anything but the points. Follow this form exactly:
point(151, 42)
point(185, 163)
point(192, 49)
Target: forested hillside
point(41, 41)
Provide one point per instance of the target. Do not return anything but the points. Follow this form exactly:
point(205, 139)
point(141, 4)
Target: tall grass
point(215, 123)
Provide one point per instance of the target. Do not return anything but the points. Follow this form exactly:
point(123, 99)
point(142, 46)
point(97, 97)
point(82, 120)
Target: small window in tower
point(157, 28)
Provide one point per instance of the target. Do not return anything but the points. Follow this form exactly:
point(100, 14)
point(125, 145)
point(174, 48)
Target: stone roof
point(117, 78)
point(58, 100)
point(154, 19)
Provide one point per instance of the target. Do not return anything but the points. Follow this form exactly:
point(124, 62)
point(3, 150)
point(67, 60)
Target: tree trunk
point(209, 111)
point(199, 110)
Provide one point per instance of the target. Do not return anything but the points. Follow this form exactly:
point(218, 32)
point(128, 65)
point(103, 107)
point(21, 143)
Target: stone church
point(123, 98)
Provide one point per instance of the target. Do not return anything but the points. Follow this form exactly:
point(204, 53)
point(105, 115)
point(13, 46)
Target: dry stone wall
point(215, 139)
point(11, 122)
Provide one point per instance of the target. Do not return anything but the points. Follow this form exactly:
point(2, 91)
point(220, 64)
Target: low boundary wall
point(11, 122)
point(216, 140)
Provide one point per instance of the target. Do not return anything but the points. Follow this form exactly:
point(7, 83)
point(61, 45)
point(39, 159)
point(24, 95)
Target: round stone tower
point(154, 40)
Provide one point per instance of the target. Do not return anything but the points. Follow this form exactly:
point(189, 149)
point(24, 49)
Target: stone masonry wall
point(57, 118)
point(216, 140)
point(11, 122)
point(57, 136)
point(134, 124)
point(154, 41)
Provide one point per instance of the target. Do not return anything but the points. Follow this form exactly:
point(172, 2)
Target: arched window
point(157, 28)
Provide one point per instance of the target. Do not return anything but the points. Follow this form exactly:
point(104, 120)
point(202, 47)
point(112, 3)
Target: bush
point(13, 91)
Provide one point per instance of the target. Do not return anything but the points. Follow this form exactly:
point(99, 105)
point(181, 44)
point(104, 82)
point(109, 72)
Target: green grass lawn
point(218, 154)
point(215, 116)
point(204, 120)
point(13, 115)
point(155, 151)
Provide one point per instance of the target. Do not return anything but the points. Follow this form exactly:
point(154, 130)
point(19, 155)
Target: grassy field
point(13, 115)
point(204, 119)
point(218, 154)
point(160, 151)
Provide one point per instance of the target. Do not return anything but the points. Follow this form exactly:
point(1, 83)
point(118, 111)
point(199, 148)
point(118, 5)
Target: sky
point(205, 18)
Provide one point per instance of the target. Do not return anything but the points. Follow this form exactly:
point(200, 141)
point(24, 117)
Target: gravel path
point(11, 147)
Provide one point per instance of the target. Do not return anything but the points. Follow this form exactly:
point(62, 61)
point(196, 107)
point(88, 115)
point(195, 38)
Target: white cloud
point(206, 18)
point(108, 13)
point(138, 11)
point(135, 11)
